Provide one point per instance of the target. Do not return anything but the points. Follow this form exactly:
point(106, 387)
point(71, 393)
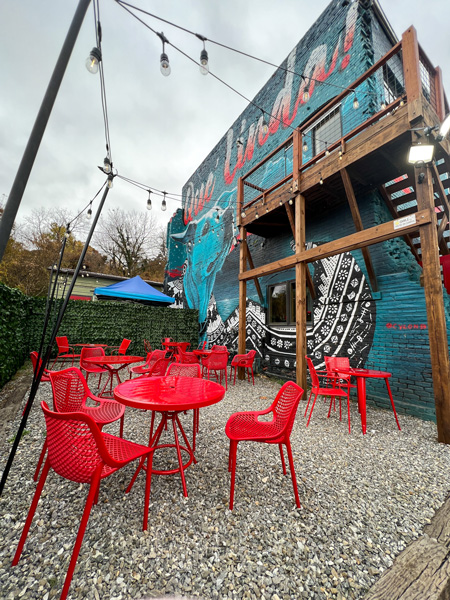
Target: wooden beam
point(300, 294)
point(360, 239)
point(411, 73)
point(440, 190)
point(387, 198)
point(437, 328)
point(242, 283)
point(359, 227)
point(255, 280)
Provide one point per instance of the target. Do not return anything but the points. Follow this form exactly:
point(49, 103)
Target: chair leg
point(233, 452)
point(282, 458)
point(312, 408)
point(122, 418)
point(253, 379)
point(291, 467)
point(41, 458)
point(307, 406)
point(34, 503)
point(348, 410)
point(148, 483)
point(93, 489)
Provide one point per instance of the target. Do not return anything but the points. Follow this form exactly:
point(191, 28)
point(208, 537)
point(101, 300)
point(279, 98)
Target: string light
point(320, 180)
point(204, 66)
point(264, 125)
point(106, 165)
point(164, 59)
point(163, 203)
point(355, 102)
point(89, 211)
point(93, 60)
point(305, 146)
point(149, 201)
point(243, 215)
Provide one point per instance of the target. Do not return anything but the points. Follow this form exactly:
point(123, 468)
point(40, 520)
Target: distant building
point(87, 281)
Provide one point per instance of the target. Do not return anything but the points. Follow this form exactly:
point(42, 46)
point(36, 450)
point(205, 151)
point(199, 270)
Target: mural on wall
point(202, 235)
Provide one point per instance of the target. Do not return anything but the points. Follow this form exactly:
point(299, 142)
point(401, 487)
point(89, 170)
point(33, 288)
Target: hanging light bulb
point(204, 66)
point(383, 105)
point(256, 215)
point(149, 201)
point(92, 60)
point(355, 102)
point(305, 146)
point(110, 182)
point(243, 215)
point(327, 152)
point(89, 211)
point(305, 96)
point(321, 180)
point(163, 203)
point(106, 165)
point(164, 64)
point(291, 201)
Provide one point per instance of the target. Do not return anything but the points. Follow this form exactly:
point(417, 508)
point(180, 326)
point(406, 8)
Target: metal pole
point(37, 378)
point(31, 150)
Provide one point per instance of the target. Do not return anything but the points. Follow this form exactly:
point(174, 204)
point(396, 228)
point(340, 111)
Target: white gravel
point(364, 498)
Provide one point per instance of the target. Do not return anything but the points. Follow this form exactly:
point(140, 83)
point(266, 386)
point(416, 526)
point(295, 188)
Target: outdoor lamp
point(92, 60)
point(264, 126)
point(149, 201)
point(106, 165)
point(204, 67)
point(355, 102)
point(445, 128)
point(421, 153)
point(163, 203)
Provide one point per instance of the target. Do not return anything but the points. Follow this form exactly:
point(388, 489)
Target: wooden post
point(242, 284)
point(437, 329)
point(411, 71)
point(300, 267)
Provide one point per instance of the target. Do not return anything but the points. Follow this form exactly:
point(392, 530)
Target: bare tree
point(128, 239)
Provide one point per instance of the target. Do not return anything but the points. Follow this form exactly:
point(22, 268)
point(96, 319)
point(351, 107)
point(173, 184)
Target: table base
point(154, 439)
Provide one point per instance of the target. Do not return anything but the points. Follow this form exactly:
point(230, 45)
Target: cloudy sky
point(161, 128)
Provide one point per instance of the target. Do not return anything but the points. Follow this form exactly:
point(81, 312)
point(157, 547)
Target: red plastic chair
point(34, 361)
point(246, 426)
point(122, 349)
point(217, 362)
point(216, 348)
point(71, 393)
point(158, 368)
point(186, 357)
point(151, 359)
point(336, 390)
point(333, 364)
point(147, 346)
point(246, 362)
point(89, 367)
point(65, 352)
point(188, 370)
point(80, 452)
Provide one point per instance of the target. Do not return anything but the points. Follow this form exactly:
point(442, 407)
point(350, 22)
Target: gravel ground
point(364, 498)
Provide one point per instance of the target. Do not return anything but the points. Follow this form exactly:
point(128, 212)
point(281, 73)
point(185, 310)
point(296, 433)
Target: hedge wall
point(22, 320)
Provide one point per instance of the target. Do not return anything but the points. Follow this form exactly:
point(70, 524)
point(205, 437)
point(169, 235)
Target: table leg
point(361, 387)
point(392, 401)
point(180, 462)
point(152, 442)
point(108, 381)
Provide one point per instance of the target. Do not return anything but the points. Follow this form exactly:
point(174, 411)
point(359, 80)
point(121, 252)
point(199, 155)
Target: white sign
point(404, 221)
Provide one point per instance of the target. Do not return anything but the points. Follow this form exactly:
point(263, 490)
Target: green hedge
point(22, 321)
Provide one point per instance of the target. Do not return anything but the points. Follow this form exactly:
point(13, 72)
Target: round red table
point(113, 364)
point(169, 396)
point(361, 376)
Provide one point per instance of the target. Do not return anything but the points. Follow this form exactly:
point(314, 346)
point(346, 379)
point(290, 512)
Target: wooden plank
point(440, 190)
point(360, 239)
point(255, 280)
point(420, 572)
point(439, 528)
point(441, 241)
point(434, 301)
point(359, 226)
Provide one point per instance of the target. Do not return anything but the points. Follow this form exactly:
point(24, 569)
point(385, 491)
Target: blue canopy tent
point(134, 289)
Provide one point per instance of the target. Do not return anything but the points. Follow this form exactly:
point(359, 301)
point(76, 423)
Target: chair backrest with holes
point(184, 370)
point(89, 353)
point(69, 389)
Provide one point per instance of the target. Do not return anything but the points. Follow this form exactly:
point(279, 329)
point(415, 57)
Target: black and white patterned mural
point(343, 321)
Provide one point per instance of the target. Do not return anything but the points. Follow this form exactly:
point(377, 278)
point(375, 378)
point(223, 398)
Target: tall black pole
point(37, 377)
point(23, 173)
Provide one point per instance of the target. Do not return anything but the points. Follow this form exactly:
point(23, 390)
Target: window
point(282, 308)
point(327, 130)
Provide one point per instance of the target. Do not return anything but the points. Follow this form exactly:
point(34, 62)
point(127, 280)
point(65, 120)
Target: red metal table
point(172, 347)
point(361, 376)
point(114, 364)
point(202, 353)
point(169, 396)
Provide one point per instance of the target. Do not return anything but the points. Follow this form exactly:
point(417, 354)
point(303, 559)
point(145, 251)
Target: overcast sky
point(161, 128)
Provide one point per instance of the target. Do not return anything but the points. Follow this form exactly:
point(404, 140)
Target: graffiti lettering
point(405, 326)
point(314, 71)
point(196, 199)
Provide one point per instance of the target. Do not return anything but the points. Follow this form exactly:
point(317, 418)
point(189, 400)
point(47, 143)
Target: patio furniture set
point(172, 381)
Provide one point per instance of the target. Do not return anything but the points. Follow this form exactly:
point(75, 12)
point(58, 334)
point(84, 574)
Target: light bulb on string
point(243, 215)
point(204, 66)
point(164, 203)
point(264, 125)
point(320, 180)
point(110, 182)
point(149, 201)
point(327, 152)
point(164, 66)
point(355, 102)
point(305, 146)
point(89, 211)
point(305, 95)
point(93, 60)
point(106, 165)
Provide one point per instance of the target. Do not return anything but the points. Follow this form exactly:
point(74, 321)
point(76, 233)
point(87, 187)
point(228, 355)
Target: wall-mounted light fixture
point(421, 153)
